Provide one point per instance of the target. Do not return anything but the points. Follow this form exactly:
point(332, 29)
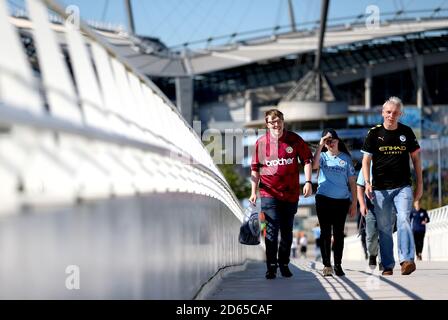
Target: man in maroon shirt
point(275, 172)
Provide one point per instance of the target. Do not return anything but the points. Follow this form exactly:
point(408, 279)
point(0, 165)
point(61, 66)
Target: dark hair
point(341, 146)
point(331, 131)
point(273, 113)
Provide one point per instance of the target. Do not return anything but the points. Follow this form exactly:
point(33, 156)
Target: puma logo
point(381, 138)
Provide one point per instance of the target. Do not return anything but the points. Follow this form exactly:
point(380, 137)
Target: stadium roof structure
point(201, 61)
point(153, 58)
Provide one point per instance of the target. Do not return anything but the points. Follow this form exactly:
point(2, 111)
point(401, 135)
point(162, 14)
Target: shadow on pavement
point(252, 284)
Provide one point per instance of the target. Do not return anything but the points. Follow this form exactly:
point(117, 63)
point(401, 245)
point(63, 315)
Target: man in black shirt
point(388, 147)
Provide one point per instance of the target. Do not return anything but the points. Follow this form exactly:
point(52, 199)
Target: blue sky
point(179, 21)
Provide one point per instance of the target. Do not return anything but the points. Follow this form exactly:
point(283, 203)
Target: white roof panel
point(200, 61)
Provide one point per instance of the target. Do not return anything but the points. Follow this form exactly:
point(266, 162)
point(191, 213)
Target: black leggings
point(331, 213)
point(418, 239)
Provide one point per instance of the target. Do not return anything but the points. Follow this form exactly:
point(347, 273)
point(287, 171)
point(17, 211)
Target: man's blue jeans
point(372, 232)
point(279, 217)
point(384, 202)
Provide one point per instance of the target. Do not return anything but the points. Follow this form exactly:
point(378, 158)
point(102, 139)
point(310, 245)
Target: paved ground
point(429, 281)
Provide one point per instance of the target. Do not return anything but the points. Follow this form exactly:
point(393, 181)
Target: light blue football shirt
point(334, 175)
point(361, 182)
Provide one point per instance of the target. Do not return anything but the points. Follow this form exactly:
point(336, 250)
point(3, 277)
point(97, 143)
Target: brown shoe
point(407, 267)
point(387, 272)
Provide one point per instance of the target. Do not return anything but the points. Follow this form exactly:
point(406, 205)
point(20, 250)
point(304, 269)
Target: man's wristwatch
point(308, 181)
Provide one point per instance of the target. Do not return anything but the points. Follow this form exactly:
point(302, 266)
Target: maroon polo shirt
point(277, 163)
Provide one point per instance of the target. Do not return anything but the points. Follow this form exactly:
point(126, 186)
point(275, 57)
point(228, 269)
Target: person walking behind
point(303, 245)
point(294, 246)
point(419, 219)
point(362, 232)
point(368, 212)
point(316, 234)
point(275, 172)
point(336, 184)
point(387, 148)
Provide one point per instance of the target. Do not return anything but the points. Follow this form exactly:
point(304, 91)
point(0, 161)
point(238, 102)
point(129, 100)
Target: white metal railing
point(436, 238)
point(100, 129)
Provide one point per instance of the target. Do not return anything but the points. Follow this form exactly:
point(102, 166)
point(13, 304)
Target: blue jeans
point(384, 202)
point(279, 216)
point(372, 232)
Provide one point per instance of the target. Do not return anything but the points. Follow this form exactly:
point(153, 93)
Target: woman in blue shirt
point(335, 196)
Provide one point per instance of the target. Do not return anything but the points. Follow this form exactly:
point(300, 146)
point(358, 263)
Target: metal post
point(368, 88)
point(184, 97)
point(131, 26)
point(291, 16)
point(420, 79)
point(323, 25)
point(248, 105)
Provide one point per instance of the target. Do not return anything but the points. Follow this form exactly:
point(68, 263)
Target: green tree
point(240, 186)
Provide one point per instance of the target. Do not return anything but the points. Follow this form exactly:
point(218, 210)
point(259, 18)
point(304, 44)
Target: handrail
point(110, 50)
point(189, 150)
point(10, 116)
point(90, 34)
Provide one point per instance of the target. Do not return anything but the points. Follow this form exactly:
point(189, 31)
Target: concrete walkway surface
point(429, 281)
